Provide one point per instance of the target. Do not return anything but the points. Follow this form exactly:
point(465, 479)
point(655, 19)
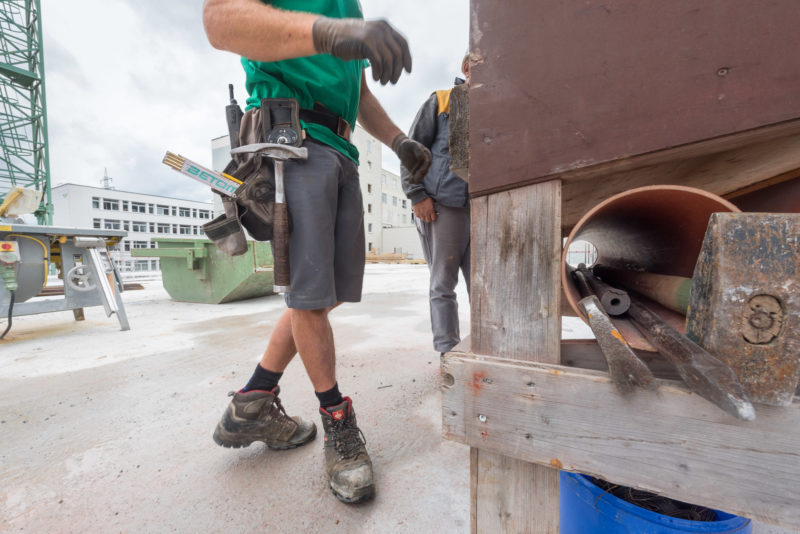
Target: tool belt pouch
point(256, 198)
point(226, 231)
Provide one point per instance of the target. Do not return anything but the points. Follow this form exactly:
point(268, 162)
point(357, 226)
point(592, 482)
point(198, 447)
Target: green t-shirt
point(322, 78)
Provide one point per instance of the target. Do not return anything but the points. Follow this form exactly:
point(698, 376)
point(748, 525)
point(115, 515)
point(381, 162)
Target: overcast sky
point(127, 80)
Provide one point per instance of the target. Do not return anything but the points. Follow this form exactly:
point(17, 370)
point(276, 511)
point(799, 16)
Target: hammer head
point(273, 150)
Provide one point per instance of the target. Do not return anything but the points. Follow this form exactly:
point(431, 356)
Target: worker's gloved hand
point(414, 156)
point(375, 40)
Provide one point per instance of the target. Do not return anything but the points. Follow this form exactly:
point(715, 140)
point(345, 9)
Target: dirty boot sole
point(237, 441)
point(356, 496)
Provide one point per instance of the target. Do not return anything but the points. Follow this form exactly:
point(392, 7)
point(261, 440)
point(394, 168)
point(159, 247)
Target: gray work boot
point(259, 416)
point(348, 464)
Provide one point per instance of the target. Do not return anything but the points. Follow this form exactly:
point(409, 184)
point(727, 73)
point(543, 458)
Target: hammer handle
point(280, 244)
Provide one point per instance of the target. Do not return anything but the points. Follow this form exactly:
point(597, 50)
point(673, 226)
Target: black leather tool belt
point(324, 117)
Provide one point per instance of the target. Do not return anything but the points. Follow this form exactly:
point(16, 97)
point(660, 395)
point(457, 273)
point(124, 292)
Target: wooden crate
point(571, 103)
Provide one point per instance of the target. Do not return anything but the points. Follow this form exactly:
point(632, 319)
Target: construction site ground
point(110, 431)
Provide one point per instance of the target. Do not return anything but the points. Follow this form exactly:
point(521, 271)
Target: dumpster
point(195, 270)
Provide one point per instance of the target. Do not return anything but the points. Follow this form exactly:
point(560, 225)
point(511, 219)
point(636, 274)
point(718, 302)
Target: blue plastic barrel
point(588, 509)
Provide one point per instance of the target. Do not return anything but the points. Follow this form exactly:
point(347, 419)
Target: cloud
point(128, 80)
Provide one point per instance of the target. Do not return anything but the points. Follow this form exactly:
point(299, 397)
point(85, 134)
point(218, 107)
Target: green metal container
point(195, 270)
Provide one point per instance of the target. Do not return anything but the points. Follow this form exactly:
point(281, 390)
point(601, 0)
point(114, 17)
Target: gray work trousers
point(445, 243)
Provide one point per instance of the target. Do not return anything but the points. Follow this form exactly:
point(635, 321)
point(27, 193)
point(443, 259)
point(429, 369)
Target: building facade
point(144, 217)
point(385, 204)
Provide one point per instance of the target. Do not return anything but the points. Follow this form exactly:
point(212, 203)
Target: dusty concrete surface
point(109, 431)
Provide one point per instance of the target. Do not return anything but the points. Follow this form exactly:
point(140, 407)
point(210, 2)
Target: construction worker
point(441, 212)
point(315, 51)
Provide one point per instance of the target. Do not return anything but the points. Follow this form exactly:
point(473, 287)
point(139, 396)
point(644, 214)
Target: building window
point(394, 201)
point(163, 228)
point(96, 202)
point(162, 210)
point(153, 265)
point(150, 209)
point(383, 178)
point(95, 223)
point(127, 245)
point(405, 219)
point(152, 244)
point(125, 225)
point(111, 224)
point(139, 226)
point(369, 208)
point(200, 231)
point(369, 188)
point(140, 265)
point(194, 230)
point(404, 203)
point(138, 207)
point(185, 229)
point(185, 212)
point(383, 198)
point(124, 205)
point(394, 183)
point(140, 244)
point(204, 214)
point(110, 204)
point(369, 247)
point(174, 228)
point(152, 228)
point(369, 227)
point(173, 211)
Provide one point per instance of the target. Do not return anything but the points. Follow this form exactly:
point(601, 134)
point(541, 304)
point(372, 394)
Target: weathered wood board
point(559, 87)
point(516, 249)
point(459, 131)
point(670, 442)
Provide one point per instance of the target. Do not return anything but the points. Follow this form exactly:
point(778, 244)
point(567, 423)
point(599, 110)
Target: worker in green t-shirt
point(315, 51)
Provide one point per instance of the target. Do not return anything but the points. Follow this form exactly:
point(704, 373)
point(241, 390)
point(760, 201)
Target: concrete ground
point(110, 431)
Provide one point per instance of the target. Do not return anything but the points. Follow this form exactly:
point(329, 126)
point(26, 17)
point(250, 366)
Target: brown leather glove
point(375, 40)
point(414, 156)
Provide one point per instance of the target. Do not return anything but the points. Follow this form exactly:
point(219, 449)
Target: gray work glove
point(375, 40)
point(414, 156)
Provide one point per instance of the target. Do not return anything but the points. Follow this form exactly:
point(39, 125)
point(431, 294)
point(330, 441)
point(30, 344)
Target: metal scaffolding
point(24, 154)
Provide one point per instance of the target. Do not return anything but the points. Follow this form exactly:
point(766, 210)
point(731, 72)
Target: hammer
point(279, 153)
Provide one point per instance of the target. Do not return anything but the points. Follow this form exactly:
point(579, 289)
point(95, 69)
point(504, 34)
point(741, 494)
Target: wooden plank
point(670, 442)
point(720, 173)
point(516, 256)
point(586, 354)
point(541, 95)
point(459, 131)
point(516, 247)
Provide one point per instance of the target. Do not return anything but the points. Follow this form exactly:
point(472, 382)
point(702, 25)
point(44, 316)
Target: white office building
point(385, 205)
point(144, 217)
point(388, 217)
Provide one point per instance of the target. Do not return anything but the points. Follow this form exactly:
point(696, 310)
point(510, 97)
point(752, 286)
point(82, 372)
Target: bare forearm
point(375, 120)
point(258, 31)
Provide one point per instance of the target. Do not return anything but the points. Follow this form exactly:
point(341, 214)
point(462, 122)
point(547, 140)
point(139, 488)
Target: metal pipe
point(670, 291)
point(614, 301)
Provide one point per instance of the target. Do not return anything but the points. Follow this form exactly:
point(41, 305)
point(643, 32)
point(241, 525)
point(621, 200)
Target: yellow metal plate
point(5, 228)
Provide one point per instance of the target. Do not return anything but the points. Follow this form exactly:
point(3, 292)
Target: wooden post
point(516, 248)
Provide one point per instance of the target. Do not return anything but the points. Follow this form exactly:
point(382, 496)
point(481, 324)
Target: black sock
point(263, 379)
point(332, 397)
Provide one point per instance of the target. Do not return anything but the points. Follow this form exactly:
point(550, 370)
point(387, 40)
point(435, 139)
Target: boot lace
point(347, 438)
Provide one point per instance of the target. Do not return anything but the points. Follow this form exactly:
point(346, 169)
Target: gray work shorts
point(326, 246)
